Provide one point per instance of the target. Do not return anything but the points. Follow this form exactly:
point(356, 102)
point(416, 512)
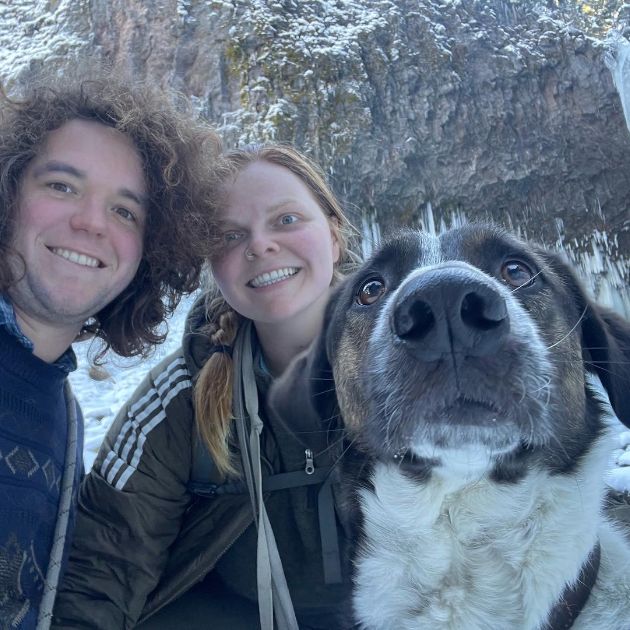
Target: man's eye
point(125, 214)
point(60, 187)
point(287, 219)
point(231, 237)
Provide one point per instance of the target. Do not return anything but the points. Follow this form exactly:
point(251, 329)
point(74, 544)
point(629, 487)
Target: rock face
point(423, 112)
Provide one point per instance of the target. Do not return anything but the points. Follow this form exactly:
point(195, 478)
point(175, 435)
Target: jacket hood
point(196, 344)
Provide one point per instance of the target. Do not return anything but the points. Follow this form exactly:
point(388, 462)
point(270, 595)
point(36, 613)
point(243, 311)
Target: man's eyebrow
point(141, 200)
point(229, 224)
point(54, 166)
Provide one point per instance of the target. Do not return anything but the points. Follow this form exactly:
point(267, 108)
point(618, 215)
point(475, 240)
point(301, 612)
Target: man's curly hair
point(179, 153)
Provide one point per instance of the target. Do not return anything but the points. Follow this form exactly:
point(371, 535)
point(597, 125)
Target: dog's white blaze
point(380, 331)
point(447, 557)
point(430, 251)
point(430, 257)
point(381, 326)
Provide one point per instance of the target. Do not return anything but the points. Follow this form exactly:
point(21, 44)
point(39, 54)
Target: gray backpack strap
point(205, 481)
point(51, 582)
point(273, 592)
point(331, 555)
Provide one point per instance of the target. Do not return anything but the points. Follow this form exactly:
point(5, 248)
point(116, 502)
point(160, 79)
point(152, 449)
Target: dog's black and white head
point(473, 346)
point(463, 372)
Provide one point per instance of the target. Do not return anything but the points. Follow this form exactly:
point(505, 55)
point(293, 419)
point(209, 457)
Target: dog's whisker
point(346, 448)
point(560, 445)
point(532, 429)
point(333, 444)
point(544, 385)
point(318, 431)
point(598, 365)
point(595, 363)
point(553, 345)
point(516, 289)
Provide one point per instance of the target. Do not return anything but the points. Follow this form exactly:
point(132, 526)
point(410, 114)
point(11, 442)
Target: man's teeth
point(265, 279)
point(75, 257)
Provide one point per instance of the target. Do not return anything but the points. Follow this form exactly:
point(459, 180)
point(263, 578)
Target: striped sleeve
point(143, 416)
point(131, 505)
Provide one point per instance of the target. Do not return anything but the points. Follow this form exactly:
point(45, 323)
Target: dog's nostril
point(415, 321)
point(482, 313)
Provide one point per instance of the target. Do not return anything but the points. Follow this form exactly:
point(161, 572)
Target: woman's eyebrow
point(281, 204)
point(234, 222)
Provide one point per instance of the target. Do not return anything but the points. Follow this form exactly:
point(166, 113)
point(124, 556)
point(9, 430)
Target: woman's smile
point(273, 277)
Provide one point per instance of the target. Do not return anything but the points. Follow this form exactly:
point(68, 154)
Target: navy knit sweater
point(33, 430)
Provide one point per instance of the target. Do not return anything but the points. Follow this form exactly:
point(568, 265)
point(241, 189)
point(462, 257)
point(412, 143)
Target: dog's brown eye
point(517, 273)
point(370, 292)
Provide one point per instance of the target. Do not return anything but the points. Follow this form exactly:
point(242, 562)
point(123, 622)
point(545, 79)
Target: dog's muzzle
point(454, 362)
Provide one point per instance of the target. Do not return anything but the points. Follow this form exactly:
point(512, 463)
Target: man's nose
point(90, 215)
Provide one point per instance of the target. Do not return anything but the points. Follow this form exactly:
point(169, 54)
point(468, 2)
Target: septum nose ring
point(249, 255)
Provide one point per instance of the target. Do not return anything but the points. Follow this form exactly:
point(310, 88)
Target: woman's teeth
point(79, 259)
point(265, 279)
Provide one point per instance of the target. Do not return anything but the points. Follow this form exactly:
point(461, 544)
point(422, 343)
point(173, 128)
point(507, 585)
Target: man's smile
point(76, 257)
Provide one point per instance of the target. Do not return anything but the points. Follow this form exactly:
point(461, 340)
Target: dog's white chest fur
point(442, 555)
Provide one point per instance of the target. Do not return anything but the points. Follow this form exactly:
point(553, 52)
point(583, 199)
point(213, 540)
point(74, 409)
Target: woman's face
point(278, 247)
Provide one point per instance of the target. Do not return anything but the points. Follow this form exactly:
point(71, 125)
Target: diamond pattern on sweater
point(13, 604)
point(22, 462)
point(50, 473)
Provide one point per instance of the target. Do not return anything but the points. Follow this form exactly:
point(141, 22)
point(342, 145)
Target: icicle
point(617, 59)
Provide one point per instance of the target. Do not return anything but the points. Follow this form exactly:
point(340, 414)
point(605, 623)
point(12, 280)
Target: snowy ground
point(100, 400)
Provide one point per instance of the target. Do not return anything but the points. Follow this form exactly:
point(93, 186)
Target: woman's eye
point(517, 274)
point(287, 219)
point(60, 187)
point(371, 291)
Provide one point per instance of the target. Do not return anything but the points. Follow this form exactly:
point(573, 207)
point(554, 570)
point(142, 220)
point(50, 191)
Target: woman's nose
point(260, 244)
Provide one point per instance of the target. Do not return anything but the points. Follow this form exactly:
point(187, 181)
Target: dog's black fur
point(472, 347)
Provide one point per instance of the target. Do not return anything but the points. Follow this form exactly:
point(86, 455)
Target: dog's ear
point(605, 338)
point(304, 396)
point(606, 349)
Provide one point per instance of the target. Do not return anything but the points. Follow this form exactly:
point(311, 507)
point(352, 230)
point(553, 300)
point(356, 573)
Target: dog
point(466, 371)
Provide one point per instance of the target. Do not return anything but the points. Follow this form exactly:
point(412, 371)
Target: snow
point(618, 476)
point(34, 36)
point(282, 39)
point(101, 400)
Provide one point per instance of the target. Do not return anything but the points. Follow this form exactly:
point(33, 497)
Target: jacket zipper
point(309, 467)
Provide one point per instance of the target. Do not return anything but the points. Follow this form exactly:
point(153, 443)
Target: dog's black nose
point(450, 310)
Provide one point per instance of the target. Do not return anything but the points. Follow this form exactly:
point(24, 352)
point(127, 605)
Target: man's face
point(80, 225)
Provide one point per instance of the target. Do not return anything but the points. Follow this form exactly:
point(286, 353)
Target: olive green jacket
point(137, 543)
point(143, 537)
